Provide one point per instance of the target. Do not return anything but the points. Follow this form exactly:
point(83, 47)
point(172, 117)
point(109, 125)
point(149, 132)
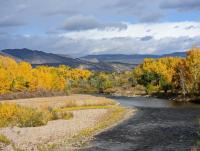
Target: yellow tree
point(193, 64)
point(23, 77)
point(5, 82)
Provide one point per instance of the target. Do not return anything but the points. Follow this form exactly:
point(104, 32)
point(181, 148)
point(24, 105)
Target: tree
point(159, 72)
point(149, 78)
point(101, 82)
point(193, 64)
point(5, 82)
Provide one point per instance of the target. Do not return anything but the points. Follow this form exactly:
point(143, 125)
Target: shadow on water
point(159, 125)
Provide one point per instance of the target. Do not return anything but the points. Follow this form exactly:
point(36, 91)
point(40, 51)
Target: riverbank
point(161, 95)
point(157, 125)
point(91, 115)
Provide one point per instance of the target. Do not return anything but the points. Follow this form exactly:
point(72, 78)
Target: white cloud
point(137, 38)
point(155, 30)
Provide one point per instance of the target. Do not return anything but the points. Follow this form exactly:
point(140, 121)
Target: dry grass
point(4, 139)
point(90, 115)
point(63, 101)
point(84, 108)
point(16, 115)
point(54, 132)
point(38, 111)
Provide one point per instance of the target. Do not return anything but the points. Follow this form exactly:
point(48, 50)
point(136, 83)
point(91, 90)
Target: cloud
point(59, 12)
point(78, 23)
point(151, 17)
point(182, 5)
point(11, 22)
point(142, 10)
point(190, 27)
point(93, 26)
point(146, 38)
point(168, 45)
point(156, 30)
point(80, 47)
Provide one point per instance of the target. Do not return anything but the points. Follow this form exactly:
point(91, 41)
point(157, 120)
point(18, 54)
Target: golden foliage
point(15, 115)
point(21, 116)
point(18, 77)
point(183, 74)
point(163, 66)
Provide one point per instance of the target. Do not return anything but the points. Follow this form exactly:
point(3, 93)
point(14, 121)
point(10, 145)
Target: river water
point(158, 125)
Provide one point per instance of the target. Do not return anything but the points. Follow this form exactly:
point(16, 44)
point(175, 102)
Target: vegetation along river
point(158, 125)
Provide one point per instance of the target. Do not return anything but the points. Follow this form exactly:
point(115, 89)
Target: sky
point(82, 27)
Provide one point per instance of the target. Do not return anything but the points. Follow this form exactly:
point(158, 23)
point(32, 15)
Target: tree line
point(18, 77)
point(164, 75)
point(171, 74)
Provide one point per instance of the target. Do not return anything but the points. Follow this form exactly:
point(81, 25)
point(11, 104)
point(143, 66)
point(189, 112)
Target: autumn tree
point(101, 81)
point(157, 72)
point(193, 65)
point(19, 77)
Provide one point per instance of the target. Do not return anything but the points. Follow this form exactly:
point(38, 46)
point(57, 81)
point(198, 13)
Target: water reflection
point(152, 102)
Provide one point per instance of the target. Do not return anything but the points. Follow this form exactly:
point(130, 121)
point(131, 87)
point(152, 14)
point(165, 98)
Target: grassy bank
point(20, 116)
point(80, 117)
point(38, 111)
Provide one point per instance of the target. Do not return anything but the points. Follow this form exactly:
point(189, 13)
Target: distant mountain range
point(105, 62)
point(42, 58)
point(131, 59)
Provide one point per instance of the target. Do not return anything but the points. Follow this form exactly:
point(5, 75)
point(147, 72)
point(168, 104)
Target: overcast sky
point(80, 27)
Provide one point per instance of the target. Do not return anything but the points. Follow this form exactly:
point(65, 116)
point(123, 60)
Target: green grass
point(84, 108)
point(4, 140)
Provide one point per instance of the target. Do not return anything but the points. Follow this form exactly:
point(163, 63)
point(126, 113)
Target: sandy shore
point(58, 131)
point(54, 132)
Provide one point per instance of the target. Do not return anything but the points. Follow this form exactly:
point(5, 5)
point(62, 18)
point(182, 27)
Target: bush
point(15, 115)
point(149, 78)
point(4, 139)
point(152, 89)
point(32, 118)
point(61, 115)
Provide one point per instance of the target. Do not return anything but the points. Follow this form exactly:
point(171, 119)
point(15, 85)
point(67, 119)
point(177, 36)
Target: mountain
point(36, 58)
point(134, 59)
point(105, 62)
point(176, 54)
point(130, 59)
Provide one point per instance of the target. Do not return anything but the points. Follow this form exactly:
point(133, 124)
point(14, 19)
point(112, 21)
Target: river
point(158, 125)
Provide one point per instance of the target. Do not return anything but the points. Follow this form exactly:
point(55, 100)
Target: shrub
point(61, 115)
point(15, 115)
point(152, 89)
point(32, 118)
point(4, 139)
point(149, 78)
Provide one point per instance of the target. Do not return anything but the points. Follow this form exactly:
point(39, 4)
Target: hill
point(36, 58)
point(130, 59)
point(104, 62)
